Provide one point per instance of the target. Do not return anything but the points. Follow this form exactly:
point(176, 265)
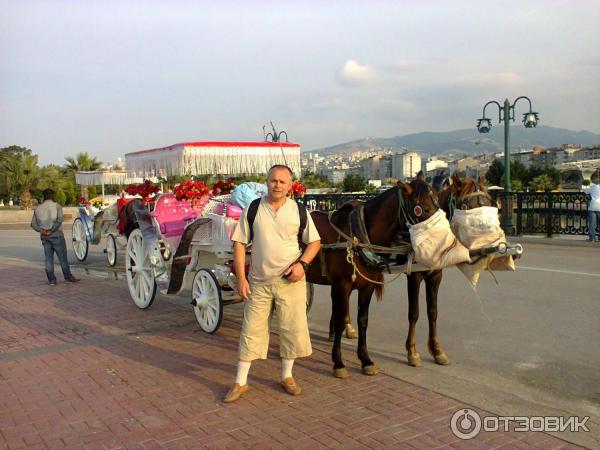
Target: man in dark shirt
point(47, 220)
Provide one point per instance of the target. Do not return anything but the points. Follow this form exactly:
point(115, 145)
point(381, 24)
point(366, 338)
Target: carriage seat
point(173, 215)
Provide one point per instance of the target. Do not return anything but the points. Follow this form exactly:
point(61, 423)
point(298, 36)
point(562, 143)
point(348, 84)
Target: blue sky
point(112, 77)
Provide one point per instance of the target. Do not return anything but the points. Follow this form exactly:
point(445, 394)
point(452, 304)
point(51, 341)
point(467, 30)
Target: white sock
point(286, 368)
point(242, 372)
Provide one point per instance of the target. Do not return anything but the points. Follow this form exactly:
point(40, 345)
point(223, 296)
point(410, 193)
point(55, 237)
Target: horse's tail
point(379, 287)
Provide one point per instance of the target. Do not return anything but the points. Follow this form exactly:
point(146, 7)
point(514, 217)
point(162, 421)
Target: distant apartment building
point(385, 167)
point(523, 156)
point(433, 163)
point(406, 165)
point(370, 168)
point(588, 153)
point(335, 176)
point(463, 165)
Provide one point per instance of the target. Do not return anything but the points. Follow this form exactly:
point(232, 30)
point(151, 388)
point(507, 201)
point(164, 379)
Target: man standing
point(277, 267)
point(47, 220)
point(593, 210)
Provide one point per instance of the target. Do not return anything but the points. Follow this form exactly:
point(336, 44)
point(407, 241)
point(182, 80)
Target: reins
point(352, 242)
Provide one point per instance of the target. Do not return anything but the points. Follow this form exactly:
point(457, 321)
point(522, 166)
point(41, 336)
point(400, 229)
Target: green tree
point(20, 173)
point(353, 183)
point(92, 192)
point(495, 173)
point(516, 185)
point(310, 180)
point(370, 188)
point(9, 170)
point(60, 197)
point(543, 182)
point(518, 172)
point(82, 161)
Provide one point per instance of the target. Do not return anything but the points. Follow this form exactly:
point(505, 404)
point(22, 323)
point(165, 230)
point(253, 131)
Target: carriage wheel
point(80, 242)
point(111, 250)
point(207, 301)
point(310, 293)
point(138, 270)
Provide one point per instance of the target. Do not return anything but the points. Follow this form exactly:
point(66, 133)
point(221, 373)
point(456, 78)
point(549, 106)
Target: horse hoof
point(370, 370)
point(415, 360)
point(342, 372)
point(442, 359)
point(351, 332)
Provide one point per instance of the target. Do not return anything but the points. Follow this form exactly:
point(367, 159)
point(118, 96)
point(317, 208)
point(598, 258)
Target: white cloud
point(353, 73)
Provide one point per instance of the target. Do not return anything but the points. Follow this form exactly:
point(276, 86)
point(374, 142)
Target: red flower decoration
point(223, 187)
point(145, 190)
point(298, 190)
point(81, 201)
point(191, 190)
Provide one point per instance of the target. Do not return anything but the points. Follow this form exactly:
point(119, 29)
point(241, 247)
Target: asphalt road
point(529, 345)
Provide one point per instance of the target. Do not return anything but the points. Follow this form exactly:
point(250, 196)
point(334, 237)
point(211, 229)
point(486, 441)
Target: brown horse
point(463, 193)
point(385, 219)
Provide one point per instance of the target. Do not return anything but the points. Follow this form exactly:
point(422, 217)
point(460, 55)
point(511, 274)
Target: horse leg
point(348, 328)
point(432, 285)
point(412, 355)
point(364, 300)
point(340, 291)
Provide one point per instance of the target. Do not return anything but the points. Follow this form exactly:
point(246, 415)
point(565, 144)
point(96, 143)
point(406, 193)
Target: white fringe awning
point(213, 158)
point(98, 177)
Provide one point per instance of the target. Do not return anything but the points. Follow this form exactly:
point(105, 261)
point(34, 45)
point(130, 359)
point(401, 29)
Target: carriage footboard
point(180, 259)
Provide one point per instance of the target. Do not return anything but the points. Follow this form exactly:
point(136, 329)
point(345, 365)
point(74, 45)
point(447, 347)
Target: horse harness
point(458, 202)
point(359, 244)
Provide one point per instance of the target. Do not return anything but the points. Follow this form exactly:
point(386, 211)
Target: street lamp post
point(506, 113)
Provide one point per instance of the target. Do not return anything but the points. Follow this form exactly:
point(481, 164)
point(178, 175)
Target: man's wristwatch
point(305, 265)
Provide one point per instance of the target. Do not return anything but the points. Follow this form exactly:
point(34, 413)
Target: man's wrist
point(304, 265)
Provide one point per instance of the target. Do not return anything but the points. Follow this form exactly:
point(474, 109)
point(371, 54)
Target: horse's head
point(417, 201)
point(467, 193)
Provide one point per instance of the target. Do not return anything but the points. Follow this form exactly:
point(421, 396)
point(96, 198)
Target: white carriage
point(175, 239)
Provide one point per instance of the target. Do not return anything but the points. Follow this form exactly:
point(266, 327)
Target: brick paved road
point(81, 367)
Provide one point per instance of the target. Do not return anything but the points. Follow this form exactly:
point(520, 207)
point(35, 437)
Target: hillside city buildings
point(388, 165)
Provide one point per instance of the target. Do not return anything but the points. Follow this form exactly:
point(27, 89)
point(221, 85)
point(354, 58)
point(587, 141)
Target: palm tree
point(82, 161)
point(21, 175)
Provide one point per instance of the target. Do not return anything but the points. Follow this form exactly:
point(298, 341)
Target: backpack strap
point(252, 210)
point(303, 220)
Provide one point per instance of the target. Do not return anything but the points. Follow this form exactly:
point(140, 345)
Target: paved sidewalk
point(82, 368)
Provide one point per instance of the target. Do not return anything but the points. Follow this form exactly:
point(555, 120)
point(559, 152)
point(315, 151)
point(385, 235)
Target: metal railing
point(535, 212)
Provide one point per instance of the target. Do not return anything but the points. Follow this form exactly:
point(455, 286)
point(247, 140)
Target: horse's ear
point(406, 188)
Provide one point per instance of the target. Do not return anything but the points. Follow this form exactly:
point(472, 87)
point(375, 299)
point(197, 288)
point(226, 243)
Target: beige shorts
point(290, 304)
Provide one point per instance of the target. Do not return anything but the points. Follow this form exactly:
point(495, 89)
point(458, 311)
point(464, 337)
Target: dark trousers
point(56, 244)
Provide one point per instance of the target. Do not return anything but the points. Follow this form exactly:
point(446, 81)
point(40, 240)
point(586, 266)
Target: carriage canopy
point(98, 177)
point(211, 158)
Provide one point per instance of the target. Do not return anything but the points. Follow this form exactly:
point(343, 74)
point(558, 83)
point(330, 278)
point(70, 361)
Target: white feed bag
point(435, 245)
point(479, 228)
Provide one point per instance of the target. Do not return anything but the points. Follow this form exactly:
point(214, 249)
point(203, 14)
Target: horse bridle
point(412, 217)
point(463, 203)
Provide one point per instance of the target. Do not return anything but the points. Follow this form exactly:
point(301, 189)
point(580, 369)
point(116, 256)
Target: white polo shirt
point(275, 246)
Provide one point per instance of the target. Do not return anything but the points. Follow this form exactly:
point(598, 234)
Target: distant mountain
point(469, 141)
